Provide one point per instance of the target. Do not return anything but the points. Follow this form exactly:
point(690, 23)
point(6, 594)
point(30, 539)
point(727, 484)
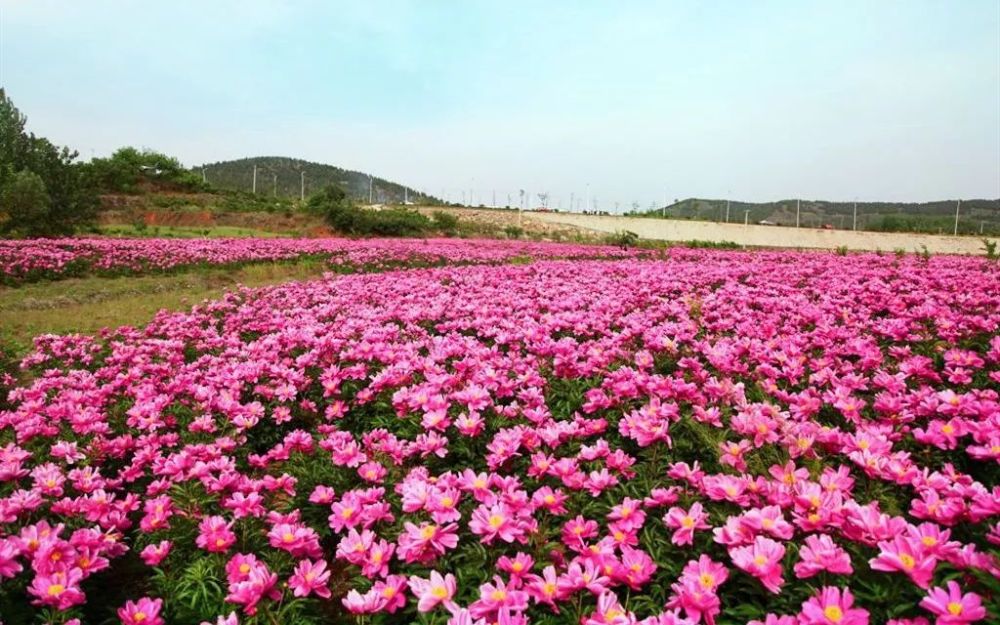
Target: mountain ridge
point(886, 216)
point(281, 176)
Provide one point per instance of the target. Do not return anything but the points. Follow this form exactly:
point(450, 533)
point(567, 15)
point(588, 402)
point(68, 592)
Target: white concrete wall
point(766, 236)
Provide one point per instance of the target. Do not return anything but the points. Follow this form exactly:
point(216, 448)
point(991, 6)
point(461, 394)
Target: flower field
point(35, 259)
point(712, 437)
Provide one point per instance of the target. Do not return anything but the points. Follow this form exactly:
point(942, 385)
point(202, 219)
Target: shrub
point(446, 222)
point(991, 249)
point(623, 239)
point(339, 211)
point(514, 232)
point(716, 245)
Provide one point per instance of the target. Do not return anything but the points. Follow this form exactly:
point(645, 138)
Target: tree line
point(46, 191)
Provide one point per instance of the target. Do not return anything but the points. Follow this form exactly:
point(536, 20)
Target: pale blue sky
point(874, 99)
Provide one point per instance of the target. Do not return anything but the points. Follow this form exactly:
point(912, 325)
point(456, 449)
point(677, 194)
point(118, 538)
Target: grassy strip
point(88, 304)
point(187, 232)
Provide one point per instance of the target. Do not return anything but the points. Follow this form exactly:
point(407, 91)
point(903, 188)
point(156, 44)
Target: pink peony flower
point(951, 607)
point(433, 591)
point(145, 611)
point(310, 578)
point(832, 607)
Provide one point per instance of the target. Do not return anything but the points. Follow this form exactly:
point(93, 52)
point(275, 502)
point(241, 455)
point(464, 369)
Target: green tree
point(128, 168)
point(72, 201)
point(26, 202)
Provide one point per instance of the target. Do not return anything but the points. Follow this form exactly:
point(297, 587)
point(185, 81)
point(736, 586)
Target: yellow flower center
point(496, 521)
point(833, 613)
point(439, 592)
point(244, 568)
point(948, 428)
point(56, 589)
point(954, 608)
point(428, 532)
point(139, 617)
point(687, 522)
point(760, 560)
point(907, 560)
point(288, 537)
point(447, 502)
point(498, 595)
point(707, 580)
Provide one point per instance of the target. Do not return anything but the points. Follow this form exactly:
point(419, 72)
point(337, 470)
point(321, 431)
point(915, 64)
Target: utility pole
point(494, 205)
point(727, 210)
point(302, 186)
point(957, 208)
point(572, 200)
point(406, 196)
point(746, 216)
point(798, 207)
point(204, 176)
point(255, 179)
point(588, 197)
point(855, 214)
point(274, 189)
point(371, 189)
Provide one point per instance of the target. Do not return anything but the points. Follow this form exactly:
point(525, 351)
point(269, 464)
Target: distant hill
point(281, 176)
point(885, 216)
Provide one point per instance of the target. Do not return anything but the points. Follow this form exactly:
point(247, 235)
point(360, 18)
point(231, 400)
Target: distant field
point(766, 236)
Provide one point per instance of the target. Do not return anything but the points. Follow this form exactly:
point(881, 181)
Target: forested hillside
point(282, 177)
point(975, 214)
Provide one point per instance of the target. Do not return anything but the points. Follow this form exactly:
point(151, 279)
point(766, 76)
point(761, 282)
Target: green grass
point(185, 232)
point(86, 305)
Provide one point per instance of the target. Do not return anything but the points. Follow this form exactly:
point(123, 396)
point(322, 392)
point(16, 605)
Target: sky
point(618, 102)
